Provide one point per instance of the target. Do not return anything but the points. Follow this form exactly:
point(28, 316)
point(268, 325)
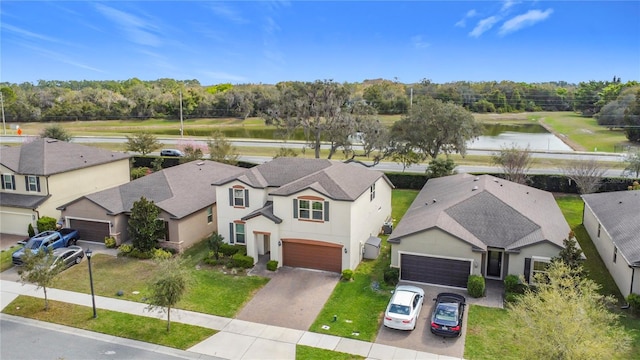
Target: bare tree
point(587, 175)
point(221, 149)
point(515, 162)
point(633, 165)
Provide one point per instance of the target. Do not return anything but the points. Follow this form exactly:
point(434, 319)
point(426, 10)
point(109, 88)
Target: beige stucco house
point(612, 220)
point(42, 174)
point(464, 224)
point(309, 213)
point(183, 193)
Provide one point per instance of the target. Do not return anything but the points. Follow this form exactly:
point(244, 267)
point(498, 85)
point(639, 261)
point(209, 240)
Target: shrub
point(110, 242)
point(347, 275)
point(125, 249)
point(139, 254)
point(391, 276)
point(46, 223)
point(139, 172)
point(161, 254)
point(242, 261)
point(213, 262)
point(511, 283)
point(634, 302)
point(475, 286)
point(511, 297)
point(228, 250)
point(31, 231)
point(272, 265)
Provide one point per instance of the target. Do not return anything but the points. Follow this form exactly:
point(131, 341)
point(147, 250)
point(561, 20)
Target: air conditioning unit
point(387, 227)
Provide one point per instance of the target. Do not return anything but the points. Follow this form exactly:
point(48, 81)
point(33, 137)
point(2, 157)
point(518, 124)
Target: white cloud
point(27, 34)
point(137, 29)
point(507, 4)
point(471, 13)
point(61, 58)
point(527, 19)
point(463, 22)
point(483, 26)
point(228, 13)
point(419, 43)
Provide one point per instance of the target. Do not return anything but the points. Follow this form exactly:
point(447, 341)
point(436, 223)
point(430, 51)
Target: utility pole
point(4, 127)
point(181, 127)
point(411, 99)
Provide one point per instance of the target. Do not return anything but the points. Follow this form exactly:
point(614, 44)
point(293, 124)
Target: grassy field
point(5, 257)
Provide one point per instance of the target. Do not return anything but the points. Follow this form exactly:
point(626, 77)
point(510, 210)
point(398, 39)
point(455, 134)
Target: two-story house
point(42, 174)
point(309, 213)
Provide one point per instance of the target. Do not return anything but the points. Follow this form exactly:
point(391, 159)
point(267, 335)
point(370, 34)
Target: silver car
point(68, 255)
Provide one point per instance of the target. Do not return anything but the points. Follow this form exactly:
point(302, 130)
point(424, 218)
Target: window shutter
point(326, 211)
point(231, 233)
point(295, 208)
point(26, 183)
point(230, 197)
point(13, 182)
point(2, 181)
point(246, 197)
point(527, 268)
point(38, 184)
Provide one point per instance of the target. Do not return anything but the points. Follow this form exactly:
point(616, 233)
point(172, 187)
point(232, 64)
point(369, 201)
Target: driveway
point(422, 339)
point(293, 298)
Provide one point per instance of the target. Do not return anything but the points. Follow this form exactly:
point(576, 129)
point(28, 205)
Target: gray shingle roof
point(21, 200)
point(266, 211)
point(619, 214)
point(48, 156)
point(179, 190)
point(485, 212)
point(336, 180)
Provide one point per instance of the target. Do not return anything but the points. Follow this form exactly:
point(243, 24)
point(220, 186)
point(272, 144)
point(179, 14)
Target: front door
point(494, 264)
point(266, 243)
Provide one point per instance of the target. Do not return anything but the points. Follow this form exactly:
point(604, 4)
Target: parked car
point(68, 255)
point(52, 239)
point(171, 152)
point(404, 308)
point(446, 318)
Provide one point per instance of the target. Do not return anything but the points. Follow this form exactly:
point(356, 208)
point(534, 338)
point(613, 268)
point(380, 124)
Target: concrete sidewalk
point(236, 339)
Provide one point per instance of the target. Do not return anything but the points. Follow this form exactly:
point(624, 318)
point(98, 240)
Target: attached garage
point(90, 230)
point(14, 223)
point(435, 270)
point(312, 255)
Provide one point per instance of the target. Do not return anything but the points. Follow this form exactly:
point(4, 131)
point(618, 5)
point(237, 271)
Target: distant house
point(464, 224)
point(612, 220)
point(183, 193)
point(309, 213)
point(43, 174)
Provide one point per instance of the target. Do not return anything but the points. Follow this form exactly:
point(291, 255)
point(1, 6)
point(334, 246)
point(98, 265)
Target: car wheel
point(78, 260)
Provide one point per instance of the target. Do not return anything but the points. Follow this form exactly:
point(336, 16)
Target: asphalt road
point(28, 339)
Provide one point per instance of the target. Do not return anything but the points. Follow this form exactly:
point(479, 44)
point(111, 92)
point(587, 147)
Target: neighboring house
point(464, 224)
point(43, 174)
point(612, 219)
point(183, 193)
point(309, 213)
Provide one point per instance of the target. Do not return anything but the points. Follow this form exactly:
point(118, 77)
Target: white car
point(404, 308)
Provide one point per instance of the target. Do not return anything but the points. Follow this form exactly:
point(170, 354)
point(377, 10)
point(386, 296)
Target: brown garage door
point(434, 270)
point(312, 254)
point(90, 230)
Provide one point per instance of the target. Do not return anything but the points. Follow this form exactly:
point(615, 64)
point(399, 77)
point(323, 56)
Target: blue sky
point(272, 41)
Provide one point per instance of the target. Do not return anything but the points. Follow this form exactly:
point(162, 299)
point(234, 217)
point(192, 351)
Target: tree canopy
point(144, 226)
point(144, 143)
point(168, 285)
point(39, 269)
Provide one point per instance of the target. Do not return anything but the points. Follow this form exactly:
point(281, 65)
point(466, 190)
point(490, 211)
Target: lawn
point(212, 291)
point(150, 330)
point(311, 353)
point(5, 257)
point(360, 303)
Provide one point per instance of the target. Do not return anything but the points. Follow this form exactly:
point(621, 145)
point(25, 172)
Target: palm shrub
point(391, 276)
point(475, 286)
point(31, 231)
point(634, 303)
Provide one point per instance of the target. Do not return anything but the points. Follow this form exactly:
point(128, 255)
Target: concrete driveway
point(293, 298)
point(422, 339)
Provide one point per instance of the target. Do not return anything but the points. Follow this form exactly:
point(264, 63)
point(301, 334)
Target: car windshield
point(33, 244)
point(399, 309)
point(447, 314)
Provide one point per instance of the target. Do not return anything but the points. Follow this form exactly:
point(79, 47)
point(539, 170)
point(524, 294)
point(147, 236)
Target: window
point(240, 237)
point(615, 253)
point(8, 182)
point(163, 227)
point(316, 210)
point(32, 183)
point(539, 265)
point(238, 197)
point(372, 192)
point(210, 215)
point(599, 227)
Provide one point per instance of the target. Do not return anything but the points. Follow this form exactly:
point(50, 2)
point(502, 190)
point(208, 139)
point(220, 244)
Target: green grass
point(311, 353)
point(211, 291)
point(485, 337)
point(5, 257)
point(150, 330)
point(358, 306)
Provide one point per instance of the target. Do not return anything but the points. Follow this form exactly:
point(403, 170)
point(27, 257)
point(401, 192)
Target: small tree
point(405, 155)
point(221, 149)
point(285, 152)
point(571, 255)
point(144, 227)
point(57, 132)
point(515, 163)
point(587, 175)
point(215, 242)
point(439, 167)
point(40, 270)
point(144, 143)
point(633, 165)
point(168, 286)
point(565, 318)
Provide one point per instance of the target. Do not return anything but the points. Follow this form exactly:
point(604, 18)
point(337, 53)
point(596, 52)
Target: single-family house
point(612, 220)
point(42, 174)
point(465, 224)
point(310, 213)
point(183, 193)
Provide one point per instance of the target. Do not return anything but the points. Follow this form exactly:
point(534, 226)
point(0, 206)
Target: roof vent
point(434, 201)
point(476, 178)
point(200, 163)
point(495, 180)
point(474, 188)
point(51, 141)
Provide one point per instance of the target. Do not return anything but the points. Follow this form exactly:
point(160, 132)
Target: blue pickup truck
point(52, 239)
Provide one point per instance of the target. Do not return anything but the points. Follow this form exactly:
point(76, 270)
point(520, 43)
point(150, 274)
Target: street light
point(93, 298)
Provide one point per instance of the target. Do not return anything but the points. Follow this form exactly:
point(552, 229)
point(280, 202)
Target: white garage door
point(14, 223)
